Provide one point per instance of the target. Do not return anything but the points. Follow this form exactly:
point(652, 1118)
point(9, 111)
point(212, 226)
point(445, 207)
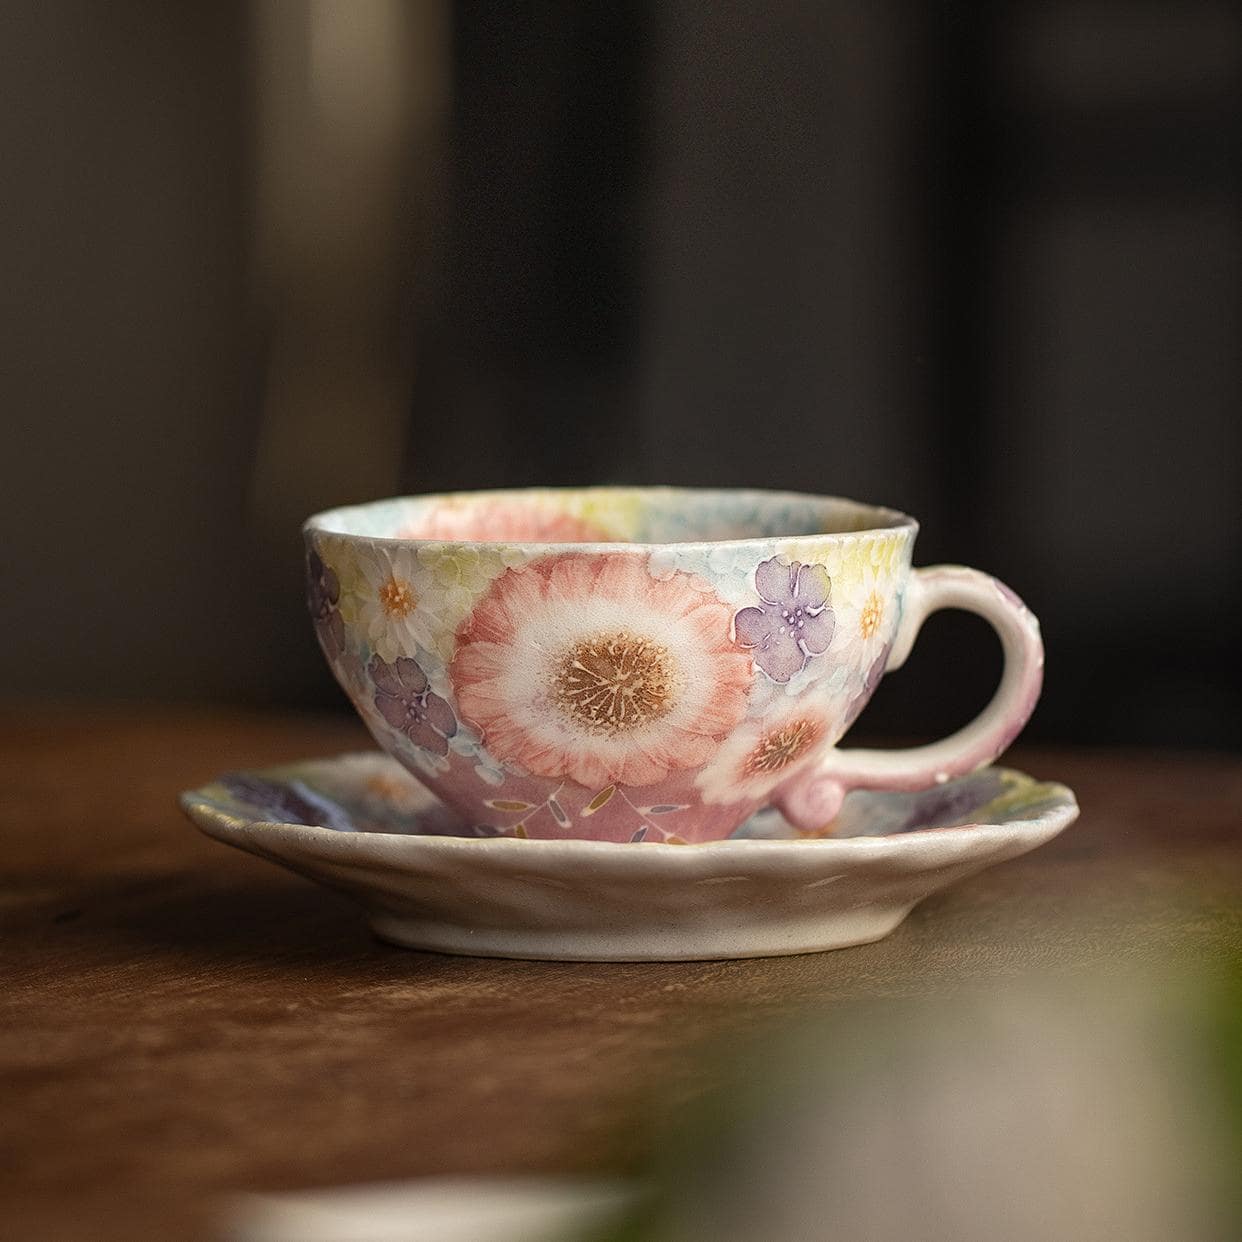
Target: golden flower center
point(778, 749)
point(872, 615)
point(396, 598)
point(613, 683)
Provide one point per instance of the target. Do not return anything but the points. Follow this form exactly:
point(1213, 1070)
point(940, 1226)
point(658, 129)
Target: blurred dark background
point(979, 261)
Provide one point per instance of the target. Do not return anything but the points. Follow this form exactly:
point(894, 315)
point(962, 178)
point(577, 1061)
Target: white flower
point(388, 602)
point(865, 602)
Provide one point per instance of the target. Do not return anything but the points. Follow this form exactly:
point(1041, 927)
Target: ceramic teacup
point(643, 664)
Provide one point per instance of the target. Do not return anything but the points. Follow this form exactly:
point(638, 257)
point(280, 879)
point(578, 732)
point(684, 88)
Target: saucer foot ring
point(811, 935)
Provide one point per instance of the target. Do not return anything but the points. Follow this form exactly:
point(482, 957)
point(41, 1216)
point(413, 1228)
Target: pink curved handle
point(812, 800)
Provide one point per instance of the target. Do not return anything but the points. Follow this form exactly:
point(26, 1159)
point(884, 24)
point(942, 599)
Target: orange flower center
point(872, 615)
point(778, 749)
point(396, 598)
point(614, 683)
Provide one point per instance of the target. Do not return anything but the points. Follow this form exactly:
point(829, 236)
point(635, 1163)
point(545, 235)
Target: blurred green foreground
point(1098, 1107)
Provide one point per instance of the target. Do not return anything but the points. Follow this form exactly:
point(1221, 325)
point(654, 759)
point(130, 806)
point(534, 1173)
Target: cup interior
point(607, 515)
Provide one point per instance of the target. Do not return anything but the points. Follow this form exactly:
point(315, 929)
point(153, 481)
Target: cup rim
point(889, 520)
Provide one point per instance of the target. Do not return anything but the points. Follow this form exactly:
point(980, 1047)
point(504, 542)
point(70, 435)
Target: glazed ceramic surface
point(633, 665)
point(362, 824)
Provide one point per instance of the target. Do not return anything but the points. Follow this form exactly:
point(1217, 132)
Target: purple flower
point(409, 705)
point(287, 801)
point(794, 622)
point(323, 593)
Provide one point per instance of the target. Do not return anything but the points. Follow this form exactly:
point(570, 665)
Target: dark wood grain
point(180, 1022)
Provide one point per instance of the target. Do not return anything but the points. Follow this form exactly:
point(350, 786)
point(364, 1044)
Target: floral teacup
point(643, 664)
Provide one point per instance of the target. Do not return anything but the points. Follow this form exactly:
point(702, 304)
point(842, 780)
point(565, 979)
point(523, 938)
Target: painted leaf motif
point(490, 775)
point(675, 840)
point(641, 834)
point(558, 813)
point(506, 804)
point(520, 831)
point(600, 800)
point(665, 808)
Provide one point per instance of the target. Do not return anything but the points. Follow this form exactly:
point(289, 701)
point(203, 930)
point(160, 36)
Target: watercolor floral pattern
point(624, 694)
point(572, 683)
point(456, 575)
point(588, 668)
point(793, 623)
point(404, 698)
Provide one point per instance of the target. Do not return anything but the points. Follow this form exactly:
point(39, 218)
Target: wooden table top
point(179, 1021)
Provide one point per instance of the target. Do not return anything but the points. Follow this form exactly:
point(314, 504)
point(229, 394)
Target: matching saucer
point(360, 823)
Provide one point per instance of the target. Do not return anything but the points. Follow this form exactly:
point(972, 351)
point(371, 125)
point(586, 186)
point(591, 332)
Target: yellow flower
point(865, 604)
point(848, 559)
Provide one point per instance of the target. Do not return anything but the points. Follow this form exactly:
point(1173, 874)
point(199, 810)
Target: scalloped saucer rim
point(758, 895)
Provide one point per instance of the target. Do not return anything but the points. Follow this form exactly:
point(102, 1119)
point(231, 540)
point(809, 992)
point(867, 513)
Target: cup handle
point(812, 799)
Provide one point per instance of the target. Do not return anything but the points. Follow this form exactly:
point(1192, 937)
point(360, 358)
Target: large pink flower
point(588, 669)
point(498, 520)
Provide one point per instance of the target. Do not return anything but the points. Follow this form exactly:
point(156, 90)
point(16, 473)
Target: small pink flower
point(588, 669)
point(764, 753)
